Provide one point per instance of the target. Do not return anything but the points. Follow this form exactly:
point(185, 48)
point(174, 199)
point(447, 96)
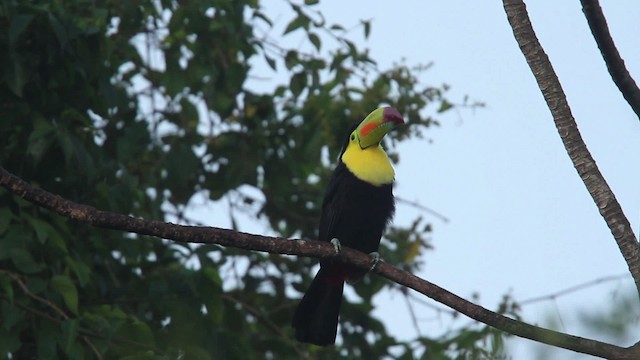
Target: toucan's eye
point(353, 137)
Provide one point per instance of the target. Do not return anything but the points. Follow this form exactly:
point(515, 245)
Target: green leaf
point(12, 317)
point(9, 341)
point(444, 106)
point(41, 228)
point(298, 83)
point(291, 59)
point(300, 21)
point(138, 332)
point(213, 275)
point(16, 75)
point(271, 62)
point(47, 336)
point(59, 30)
point(366, 24)
point(315, 40)
point(69, 333)
point(63, 285)
point(18, 23)
point(81, 270)
point(261, 15)
point(5, 219)
point(37, 284)
point(23, 260)
point(5, 285)
point(142, 355)
point(196, 353)
point(40, 140)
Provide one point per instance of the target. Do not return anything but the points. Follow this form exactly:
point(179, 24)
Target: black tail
point(316, 318)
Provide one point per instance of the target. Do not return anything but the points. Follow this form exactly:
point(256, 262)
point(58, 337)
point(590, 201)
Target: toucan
point(357, 206)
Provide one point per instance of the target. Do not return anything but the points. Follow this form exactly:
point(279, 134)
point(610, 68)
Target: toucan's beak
point(376, 125)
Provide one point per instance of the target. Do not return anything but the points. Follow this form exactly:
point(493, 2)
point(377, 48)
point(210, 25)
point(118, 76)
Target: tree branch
point(318, 249)
point(615, 64)
point(567, 128)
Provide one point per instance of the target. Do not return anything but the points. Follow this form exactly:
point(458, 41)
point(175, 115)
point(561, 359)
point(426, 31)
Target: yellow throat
point(370, 165)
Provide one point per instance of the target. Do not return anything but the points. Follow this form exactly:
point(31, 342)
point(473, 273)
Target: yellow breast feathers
point(370, 165)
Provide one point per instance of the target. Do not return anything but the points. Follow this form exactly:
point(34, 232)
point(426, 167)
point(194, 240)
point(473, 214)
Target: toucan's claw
point(376, 259)
point(336, 245)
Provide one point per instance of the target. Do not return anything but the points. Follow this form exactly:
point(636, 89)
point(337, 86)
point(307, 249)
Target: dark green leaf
point(142, 355)
point(59, 30)
point(444, 106)
point(5, 219)
point(47, 336)
point(298, 83)
point(17, 25)
point(291, 59)
point(41, 228)
point(138, 332)
point(69, 333)
point(12, 316)
point(367, 28)
point(16, 76)
point(315, 40)
point(81, 270)
point(63, 285)
point(196, 353)
point(271, 62)
point(5, 286)
point(302, 21)
point(9, 341)
point(23, 260)
point(263, 17)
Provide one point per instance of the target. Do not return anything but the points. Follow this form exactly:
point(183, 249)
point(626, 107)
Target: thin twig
point(584, 285)
point(412, 313)
point(268, 323)
point(613, 60)
point(436, 308)
point(26, 291)
point(48, 303)
point(548, 82)
point(417, 205)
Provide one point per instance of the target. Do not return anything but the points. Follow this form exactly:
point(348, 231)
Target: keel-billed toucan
point(357, 206)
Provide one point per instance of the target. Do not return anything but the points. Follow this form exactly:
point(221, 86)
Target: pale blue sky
point(521, 219)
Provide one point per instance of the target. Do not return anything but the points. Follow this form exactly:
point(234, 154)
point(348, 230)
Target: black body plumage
point(356, 213)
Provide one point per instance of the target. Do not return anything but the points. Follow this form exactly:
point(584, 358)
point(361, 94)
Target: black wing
point(331, 209)
point(331, 204)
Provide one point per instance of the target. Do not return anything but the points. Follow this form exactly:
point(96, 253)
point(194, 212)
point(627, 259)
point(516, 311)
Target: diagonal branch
point(556, 100)
point(210, 235)
point(613, 60)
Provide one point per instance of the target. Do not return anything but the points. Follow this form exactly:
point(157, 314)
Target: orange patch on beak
point(367, 129)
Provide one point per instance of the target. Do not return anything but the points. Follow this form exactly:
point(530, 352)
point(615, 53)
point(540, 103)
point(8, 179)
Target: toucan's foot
point(376, 259)
point(336, 245)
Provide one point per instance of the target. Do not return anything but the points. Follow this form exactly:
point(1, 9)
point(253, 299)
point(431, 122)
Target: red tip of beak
point(392, 115)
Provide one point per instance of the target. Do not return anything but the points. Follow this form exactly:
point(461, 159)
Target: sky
point(521, 221)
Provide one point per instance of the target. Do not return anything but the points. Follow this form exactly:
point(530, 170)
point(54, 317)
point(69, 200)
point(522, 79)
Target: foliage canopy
point(145, 107)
